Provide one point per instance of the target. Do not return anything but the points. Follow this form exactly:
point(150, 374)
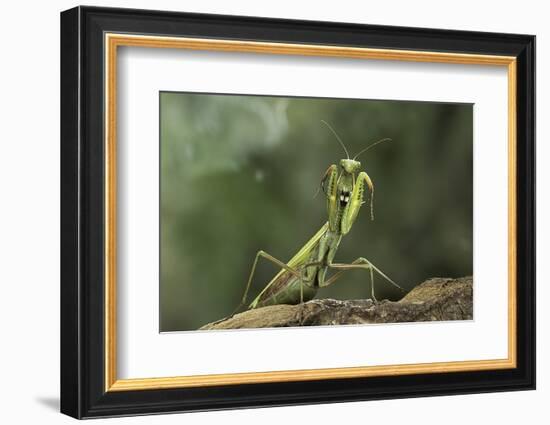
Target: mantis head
point(350, 166)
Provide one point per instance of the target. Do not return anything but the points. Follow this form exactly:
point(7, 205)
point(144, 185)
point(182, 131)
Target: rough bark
point(436, 299)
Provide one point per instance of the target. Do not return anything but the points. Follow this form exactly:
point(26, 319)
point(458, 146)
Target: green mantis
point(301, 277)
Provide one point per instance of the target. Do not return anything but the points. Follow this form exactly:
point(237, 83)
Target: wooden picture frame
point(90, 38)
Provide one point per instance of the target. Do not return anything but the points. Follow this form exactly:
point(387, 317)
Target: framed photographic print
point(262, 212)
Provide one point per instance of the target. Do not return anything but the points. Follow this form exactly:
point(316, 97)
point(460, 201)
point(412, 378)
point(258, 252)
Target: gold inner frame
point(113, 41)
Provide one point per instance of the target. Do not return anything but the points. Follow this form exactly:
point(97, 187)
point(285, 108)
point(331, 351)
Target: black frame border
point(82, 217)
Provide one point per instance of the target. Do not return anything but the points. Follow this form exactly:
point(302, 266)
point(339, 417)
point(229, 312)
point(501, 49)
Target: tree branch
point(438, 299)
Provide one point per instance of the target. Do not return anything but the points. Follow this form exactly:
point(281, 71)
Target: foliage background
point(239, 174)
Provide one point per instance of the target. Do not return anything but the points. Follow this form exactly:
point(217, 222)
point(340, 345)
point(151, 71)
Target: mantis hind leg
point(263, 254)
point(360, 263)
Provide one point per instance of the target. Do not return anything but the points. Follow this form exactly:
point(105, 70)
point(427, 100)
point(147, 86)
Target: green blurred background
point(239, 174)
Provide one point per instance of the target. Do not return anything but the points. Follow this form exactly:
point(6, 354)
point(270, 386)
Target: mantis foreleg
point(329, 184)
point(356, 200)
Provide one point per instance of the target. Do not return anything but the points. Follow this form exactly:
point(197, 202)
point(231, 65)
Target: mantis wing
point(299, 258)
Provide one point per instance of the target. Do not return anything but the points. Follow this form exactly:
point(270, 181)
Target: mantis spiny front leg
point(356, 200)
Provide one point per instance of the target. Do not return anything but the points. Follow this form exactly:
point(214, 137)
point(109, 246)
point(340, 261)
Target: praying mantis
point(301, 277)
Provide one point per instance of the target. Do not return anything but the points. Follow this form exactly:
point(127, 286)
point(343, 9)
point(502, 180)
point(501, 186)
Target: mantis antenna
point(337, 138)
point(371, 146)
